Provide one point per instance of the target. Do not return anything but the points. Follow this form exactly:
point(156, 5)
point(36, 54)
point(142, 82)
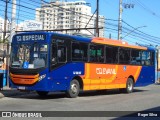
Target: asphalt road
point(142, 99)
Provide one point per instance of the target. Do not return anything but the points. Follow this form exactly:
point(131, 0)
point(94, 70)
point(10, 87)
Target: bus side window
point(124, 55)
point(111, 54)
point(79, 51)
point(92, 53)
point(147, 58)
point(96, 53)
point(135, 57)
point(100, 54)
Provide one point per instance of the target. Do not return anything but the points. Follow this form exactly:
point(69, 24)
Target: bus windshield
point(29, 56)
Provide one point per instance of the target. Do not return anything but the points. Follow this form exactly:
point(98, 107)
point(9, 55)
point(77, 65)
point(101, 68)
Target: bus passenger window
point(100, 54)
point(92, 54)
point(111, 54)
point(79, 51)
point(147, 58)
point(135, 57)
point(76, 52)
point(124, 55)
point(96, 53)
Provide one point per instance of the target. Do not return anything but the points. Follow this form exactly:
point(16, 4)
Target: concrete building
point(2, 28)
point(2, 31)
point(68, 15)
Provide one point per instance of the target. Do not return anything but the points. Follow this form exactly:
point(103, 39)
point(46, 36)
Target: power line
point(137, 32)
point(140, 31)
point(147, 9)
point(146, 37)
point(44, 12)
point(57, 8)
point(134, 36)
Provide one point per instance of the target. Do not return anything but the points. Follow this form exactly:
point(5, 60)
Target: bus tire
point(74, 89)
point(129, 85)
point(42, 93)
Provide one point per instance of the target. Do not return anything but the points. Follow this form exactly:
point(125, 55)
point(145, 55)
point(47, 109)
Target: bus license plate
point(21, 88)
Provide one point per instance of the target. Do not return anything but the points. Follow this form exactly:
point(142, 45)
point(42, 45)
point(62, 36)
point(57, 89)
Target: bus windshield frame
point(29, 56)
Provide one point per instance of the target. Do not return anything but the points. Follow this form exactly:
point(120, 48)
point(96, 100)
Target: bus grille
point(24, 79)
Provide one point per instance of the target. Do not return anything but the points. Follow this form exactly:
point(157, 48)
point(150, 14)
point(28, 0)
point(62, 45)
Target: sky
point(136, 17)
point(145, 17)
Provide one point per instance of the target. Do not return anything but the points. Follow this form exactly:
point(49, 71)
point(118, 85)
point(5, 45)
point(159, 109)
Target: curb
point(157, 83)
point(11, 92)
point(1, 95)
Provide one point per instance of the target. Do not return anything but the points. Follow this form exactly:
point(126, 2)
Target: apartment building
point(69, 15)
point(2, 28)
point(2, 31)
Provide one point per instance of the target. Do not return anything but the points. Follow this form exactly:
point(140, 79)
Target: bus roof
point(90, 40)
point(117, 43)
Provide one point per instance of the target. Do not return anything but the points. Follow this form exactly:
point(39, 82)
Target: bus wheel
point(42, 93)
point(129, 85)
point(73, 89)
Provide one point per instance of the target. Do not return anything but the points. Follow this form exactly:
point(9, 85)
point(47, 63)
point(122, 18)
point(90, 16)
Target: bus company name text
point(30, 37)
point(104, 71)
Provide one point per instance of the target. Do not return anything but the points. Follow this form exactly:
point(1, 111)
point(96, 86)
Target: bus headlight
point(42, 77)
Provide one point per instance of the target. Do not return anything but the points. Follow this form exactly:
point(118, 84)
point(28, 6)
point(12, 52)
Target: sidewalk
point(8, 92)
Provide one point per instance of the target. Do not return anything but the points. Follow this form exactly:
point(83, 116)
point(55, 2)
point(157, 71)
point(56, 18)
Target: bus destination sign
point(32, 37)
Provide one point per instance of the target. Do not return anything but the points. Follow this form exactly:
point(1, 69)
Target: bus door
point(59, 52)
point(59, 57)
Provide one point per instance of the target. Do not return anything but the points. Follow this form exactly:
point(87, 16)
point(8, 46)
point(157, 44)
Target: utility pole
point(13, 20)
point(12, 32)
point(97, 20)
point(120, 21)
point(4, 35)
point(5, 21)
